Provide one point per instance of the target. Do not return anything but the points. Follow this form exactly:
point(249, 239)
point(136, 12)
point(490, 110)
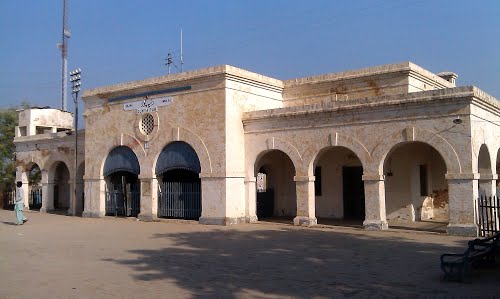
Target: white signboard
point(148, 105)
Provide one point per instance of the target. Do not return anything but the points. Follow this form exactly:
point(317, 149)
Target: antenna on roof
point(171, 59)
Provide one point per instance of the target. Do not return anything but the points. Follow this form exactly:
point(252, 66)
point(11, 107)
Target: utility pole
point(75, 82)
point(63, 46)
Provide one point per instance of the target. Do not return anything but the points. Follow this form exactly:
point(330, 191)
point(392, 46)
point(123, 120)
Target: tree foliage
point(8, 122)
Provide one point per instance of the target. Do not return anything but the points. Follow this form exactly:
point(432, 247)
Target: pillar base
point(147, 217)
point(87, 214)
point(45, 210)
point(375, 225)
point(467, 230)
point(251, 219)
point(304, 221)
point(221, 220)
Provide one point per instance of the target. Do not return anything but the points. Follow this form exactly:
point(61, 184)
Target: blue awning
point(121, 158)
point(177, 155)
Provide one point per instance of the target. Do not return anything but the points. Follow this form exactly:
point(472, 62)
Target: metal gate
point(118, 204)
point(179, 200)
point(488, 215)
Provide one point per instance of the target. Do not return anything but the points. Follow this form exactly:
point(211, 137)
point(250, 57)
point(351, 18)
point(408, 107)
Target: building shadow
point(302, 263)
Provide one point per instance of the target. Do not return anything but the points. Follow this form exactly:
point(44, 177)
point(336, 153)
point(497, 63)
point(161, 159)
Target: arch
point(415, 183)
point(390, 142)
point(177, 155)
point(121, 158)
point(279, 197)
point(484, 160)
point(274, 143)
point(335, 139)
point(195, 141)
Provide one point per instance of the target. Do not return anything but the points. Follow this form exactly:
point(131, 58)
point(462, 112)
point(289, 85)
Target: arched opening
point(61, 187)
point(276, 193)
point(34, 176)
point(339, 187)
point(121, 171)
point(179, 189)
point(415, 185)
point(497, 193)
point(484, 169)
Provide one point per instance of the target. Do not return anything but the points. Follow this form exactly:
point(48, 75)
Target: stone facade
point(394, 142)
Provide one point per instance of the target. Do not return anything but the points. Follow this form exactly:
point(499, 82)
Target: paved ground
point(54, 256)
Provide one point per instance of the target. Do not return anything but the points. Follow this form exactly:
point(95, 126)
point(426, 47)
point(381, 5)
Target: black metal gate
point(179, 200)
point(118, 204)
point(488, 214)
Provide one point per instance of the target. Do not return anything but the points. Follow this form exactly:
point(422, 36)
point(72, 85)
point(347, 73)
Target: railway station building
point(223, 145)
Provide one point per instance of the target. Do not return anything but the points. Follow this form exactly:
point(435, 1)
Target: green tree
point(8, 122)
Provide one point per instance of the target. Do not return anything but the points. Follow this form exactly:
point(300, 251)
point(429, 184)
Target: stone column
point(306, 209)
point(26, 190)
point(72, 198)
point(462, 193)
point(222, 199)
point(251, 199)
point(213, 200)
point(149, 199)
point(95, 198)
point(47, 193)
point(375, 214)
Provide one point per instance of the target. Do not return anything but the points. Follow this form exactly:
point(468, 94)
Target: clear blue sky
point(115, 41)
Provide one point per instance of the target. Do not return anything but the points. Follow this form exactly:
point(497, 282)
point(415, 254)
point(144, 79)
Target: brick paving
point(55, 256)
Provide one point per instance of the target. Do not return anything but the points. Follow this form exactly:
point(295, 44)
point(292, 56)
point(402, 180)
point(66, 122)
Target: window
point(317, 181)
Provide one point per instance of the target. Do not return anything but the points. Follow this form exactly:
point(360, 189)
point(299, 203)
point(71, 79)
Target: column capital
point(462, 176)
point(305, 178)
point(373, 177)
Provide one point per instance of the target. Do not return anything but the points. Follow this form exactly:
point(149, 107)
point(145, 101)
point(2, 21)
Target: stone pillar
point(251, 199)
point(72, 198)
point(26, 190)
point(216, 206)
point(213, 200)
point(149, 199)
point(47, 193)
point(306, 209)
point(463, 193)
point(375, 214)
point(487, 184)
point(95, 198)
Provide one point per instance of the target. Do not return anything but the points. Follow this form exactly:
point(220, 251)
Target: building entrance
point(354, 192)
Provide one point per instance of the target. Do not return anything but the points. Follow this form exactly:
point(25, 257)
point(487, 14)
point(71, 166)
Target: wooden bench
point(480, 253)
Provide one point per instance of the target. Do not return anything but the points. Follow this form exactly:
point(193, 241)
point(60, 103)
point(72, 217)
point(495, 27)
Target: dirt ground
point(54, 256)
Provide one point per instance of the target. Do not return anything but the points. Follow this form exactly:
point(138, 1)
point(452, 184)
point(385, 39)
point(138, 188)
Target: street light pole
point(75, 82)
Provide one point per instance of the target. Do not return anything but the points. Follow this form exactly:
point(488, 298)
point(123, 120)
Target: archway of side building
point(497, 192)
point(32, 186)
point(485, 183)
point(338, 186)
point(276, 192)
point(59, 175)
point(415, 186)
point(121, 172)
point(179, 186)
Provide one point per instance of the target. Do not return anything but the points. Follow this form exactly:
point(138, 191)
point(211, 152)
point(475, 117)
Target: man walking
point(20, 204)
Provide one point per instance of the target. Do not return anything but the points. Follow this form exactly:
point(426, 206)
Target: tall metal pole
point(64, 54)
point(75, 80)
